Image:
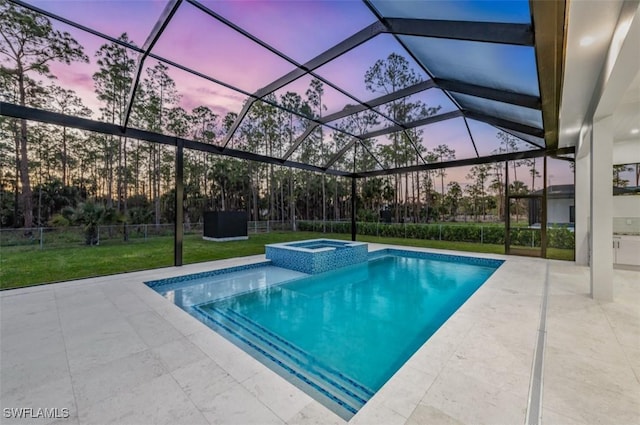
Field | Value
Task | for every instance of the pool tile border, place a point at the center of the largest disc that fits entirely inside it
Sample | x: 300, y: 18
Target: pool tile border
x: 476, y: 261
x: 185, y: 278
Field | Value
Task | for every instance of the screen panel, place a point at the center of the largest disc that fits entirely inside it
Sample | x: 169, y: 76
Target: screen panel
x: 297, y: 28
x: 201, y: 43
x: 515, y: 113
x: 499, y: 66
x: 506, y: 11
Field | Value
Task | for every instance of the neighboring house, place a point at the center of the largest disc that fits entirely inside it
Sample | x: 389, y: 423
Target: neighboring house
x: 560, y: 206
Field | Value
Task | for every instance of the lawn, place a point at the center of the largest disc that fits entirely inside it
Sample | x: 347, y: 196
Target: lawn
x: 21, y: 266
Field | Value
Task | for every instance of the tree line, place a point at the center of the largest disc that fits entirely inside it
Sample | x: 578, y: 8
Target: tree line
x: 54, y: 175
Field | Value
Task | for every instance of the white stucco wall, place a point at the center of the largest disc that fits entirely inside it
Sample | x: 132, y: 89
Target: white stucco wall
x: 558, y: 210
x: 626, y: 206
x: 626, y: 152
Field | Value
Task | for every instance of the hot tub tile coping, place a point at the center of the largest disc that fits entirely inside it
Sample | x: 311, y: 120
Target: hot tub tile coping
x: 289, y: 245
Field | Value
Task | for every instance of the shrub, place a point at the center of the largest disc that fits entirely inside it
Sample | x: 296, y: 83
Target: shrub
x: 560, y: 237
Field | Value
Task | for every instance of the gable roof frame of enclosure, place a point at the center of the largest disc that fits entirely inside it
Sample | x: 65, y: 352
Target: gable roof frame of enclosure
x: 545, y: 33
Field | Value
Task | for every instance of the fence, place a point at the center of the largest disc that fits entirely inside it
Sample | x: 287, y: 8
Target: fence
x: 558, y: 237
x: 58, y: 237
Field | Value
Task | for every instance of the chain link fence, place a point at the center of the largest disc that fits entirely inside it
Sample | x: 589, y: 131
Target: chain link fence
x: 482, y: 233
x: 72, y: 236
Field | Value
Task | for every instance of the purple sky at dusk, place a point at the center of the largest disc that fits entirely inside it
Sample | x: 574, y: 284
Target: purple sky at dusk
x: 299, y: 29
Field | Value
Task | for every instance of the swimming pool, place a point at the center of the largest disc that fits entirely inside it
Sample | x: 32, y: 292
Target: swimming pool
x: 341, y: 335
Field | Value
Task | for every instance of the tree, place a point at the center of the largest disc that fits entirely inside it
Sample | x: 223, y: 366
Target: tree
x: 314, y: 98
x: 112, y: 84
x: 203, y: 128
x: 509, y: 143
x: 442, y: 153
x: 531, y: 163
x: 517, y: 187
x: 497, y: 186
x: 293, y: 126
x: 388, y: 76
x: 619, y: 181
x: 53, y: 196
x: 66, y: 102
x: 156, y: 95
x: 454, y: 195
x: 91, y: 215
x: 35, y: 96
x: 28, y: 44
x: 478, y: 174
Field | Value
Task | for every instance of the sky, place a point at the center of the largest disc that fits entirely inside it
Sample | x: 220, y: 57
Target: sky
x: 299, y: 29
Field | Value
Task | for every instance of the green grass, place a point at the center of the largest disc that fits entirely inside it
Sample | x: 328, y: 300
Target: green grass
x: 24, y: 266
x: 560, y: 254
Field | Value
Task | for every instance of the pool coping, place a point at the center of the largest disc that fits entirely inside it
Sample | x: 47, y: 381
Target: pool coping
x: 290, y: 247
x: 158, y: 283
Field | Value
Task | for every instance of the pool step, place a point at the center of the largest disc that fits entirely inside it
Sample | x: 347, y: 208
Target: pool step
x: 335, y: 386
x: 354, y: 387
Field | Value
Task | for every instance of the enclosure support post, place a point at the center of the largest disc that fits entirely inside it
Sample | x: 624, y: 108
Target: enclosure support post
x: 179, y: 215
x: 601, y: 209
x: 353, y: 208
x: 507, y: 210
x: 543, y: 219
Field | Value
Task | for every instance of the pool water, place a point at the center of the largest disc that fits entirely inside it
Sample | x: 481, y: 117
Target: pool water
x: 319, y: 244
x: 209, y: 287
x: 341, y: 335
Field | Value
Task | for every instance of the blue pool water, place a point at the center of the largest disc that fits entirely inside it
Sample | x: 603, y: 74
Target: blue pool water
x: 322, y: 243
x: 188, y: 291
x: 340, y: 335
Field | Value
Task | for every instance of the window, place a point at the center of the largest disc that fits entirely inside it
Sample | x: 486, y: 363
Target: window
x: 572, y: 214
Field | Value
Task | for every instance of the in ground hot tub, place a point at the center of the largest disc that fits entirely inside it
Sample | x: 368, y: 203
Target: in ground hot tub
x: 316, y: 255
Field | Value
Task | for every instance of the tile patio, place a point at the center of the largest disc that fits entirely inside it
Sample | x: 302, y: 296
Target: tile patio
x: 111, y: 350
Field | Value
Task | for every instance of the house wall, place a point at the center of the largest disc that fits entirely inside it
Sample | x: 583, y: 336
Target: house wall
x: 558, y: 210
x: 626, y: 152
x: 626, y: 206
x: 626, y: 214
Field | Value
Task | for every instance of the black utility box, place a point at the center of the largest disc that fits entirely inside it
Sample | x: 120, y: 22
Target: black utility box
x: 225, y: 226
x: 385, y: 216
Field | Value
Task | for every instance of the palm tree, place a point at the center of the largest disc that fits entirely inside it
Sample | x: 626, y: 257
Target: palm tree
x: 91, y: 215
